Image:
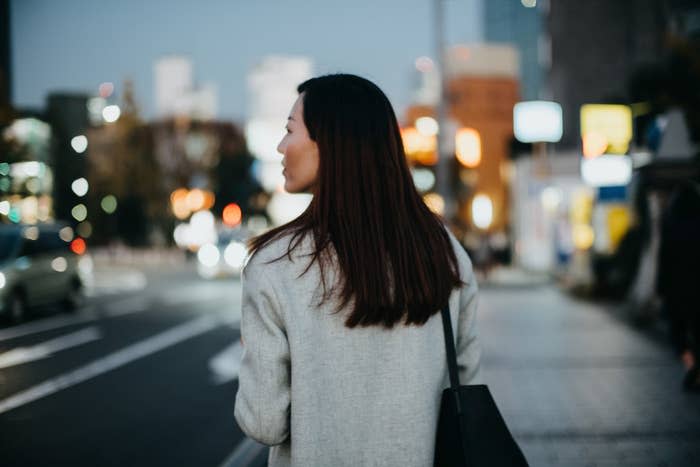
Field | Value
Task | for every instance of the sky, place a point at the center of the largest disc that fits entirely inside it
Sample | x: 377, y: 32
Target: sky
x: 74, y: 45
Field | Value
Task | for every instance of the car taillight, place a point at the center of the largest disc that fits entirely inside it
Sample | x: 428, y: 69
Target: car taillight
x: 78, y: 246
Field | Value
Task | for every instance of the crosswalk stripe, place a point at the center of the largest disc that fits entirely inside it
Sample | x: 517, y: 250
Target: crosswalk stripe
x: 226, y: 365
x: 22, y: 355
x: 112, y: 361
x: 87, y: 314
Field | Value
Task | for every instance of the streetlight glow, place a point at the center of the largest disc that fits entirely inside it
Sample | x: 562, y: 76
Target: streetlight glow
x: 468, y: 147
x: 79, y: 212
x: 482, y: 211
x: 427, y: 126
x: 111, y: 113
x: 80, y: 187
x: 79, y: 143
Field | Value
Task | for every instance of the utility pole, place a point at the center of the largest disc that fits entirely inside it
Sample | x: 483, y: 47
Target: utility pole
x: 442, y: 172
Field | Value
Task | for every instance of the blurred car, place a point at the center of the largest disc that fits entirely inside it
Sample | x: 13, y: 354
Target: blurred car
x: 224, y: 258
x: 39, y: 267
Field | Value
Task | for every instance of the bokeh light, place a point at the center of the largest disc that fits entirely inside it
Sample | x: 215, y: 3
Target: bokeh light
x: 208, y: 255
x: 435, y: 202
x: 109, y: 204
x: 482, y: 211
x: 111, y: 113
x: 85, y: 229
x: 424, y: 64
x: 583, y: 236
x: 468, y: 147
x: 418, y: 147
x: 80, y: 187
x: 59, y: 264
x: 594, y: 144
x: 79, y: 143
x: 195, y: 200
x: 232, y: 215
x: 66, y: 234
x: 235, y: 254
x: 106, y: 89
x: 78, y: 246
x: 79, y: 212
x: 427, y: 126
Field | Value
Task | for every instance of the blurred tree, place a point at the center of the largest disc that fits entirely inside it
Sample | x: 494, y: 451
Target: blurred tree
x: 7, y: 115
x: 122, y: 164
x: 232, y: 176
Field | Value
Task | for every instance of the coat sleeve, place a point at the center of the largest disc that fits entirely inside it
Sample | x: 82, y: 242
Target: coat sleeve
x: 468, y: 347
x: 263, y: 399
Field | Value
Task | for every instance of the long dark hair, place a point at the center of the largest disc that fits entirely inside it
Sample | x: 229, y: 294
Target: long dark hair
x: 395, y: 256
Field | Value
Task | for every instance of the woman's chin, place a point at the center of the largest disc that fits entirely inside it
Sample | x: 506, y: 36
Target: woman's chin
x: 290, y: 188
x: 296, y: 189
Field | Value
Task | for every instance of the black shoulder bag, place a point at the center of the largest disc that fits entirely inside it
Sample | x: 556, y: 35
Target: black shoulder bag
x: 471, y: 431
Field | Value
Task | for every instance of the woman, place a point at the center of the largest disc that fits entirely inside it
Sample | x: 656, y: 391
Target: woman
x: 344, y: 359
x: 679, y: 256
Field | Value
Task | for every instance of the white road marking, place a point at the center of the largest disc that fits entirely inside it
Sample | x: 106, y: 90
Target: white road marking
x: 127, y: 306
x: 182, y: 298
x: 226, y: 365
x: 248, y: 452
x: 118, y: 308
x: 46, y: 349
x: 116, y: 281
x: 112, y: 361
x: 85, y: 315
x: 121, y: 307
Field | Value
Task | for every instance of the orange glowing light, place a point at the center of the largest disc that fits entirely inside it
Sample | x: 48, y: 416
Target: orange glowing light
x: 209, y: 200
x: 594, y: 144
x: 232, y: 215
x: 78, y: 246
x: 178, y: 202
x: 196, y: 200
x: 178, y: 195
x: 418, y: 147
x: 181, y: 211
x: 468, y: 147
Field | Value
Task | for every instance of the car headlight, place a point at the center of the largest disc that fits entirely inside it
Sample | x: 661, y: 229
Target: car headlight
x: 3, y: 281
x: 208, y: 255
x: 235, y: 254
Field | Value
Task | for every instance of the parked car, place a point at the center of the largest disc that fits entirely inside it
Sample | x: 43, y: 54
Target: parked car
x: 38, y: 266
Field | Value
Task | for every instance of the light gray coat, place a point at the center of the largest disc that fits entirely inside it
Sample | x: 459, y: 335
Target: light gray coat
x: 324, y: 395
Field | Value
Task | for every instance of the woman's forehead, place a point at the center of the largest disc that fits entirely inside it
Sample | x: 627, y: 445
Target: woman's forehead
x: 297, y: 108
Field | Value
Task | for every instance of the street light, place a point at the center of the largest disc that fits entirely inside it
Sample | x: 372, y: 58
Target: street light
x: 468, y: 147
x: 442, y: 171
x: 539, y: 123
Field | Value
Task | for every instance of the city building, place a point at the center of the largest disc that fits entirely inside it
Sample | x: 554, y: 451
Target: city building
x: 520, y: 24
x: 595, y: 48
x: 176, y: 93
x: 482, y: 88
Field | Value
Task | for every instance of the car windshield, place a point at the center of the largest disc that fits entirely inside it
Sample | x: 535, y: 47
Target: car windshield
x: 8, y: 242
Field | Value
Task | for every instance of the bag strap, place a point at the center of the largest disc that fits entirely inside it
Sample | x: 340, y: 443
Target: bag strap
x: 454, y: 379
x: 450, y: 347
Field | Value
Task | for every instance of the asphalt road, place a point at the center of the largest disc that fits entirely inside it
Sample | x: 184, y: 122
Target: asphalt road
x: 145, y: 375
x: 140, y: 376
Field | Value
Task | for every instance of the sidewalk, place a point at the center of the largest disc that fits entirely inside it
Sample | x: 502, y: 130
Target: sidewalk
x: 581, y: 388
x: 507, y: 276
x: 578, y: 386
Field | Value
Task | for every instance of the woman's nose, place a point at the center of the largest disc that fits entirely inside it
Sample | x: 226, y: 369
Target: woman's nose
x: 280, y: 147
